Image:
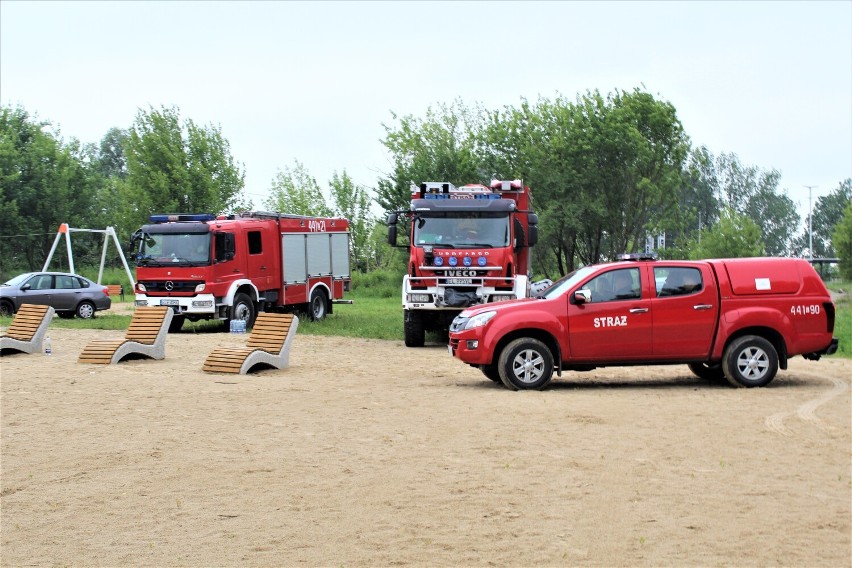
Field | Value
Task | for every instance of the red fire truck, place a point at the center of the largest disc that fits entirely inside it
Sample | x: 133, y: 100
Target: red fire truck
x: 230, y: 267
x: 469, y: 245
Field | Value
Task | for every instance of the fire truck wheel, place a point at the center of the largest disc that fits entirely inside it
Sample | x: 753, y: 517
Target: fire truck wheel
x: 176, y: 324
x: 525, y: 364
x: 318, y: 305
x: 86, y: 310
x: 491, y: 372
x: 415, y: 334
x: 243, y: 309
x: 707, y: 372
x: 750, y: 361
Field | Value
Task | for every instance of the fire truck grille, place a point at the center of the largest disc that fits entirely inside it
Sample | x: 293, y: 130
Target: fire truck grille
x: 169, y: 286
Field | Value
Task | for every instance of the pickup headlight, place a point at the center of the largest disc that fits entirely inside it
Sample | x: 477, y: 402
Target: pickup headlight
x: 479, y: 320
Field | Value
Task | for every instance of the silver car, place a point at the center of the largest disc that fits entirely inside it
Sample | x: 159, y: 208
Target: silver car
x: 68, y: 294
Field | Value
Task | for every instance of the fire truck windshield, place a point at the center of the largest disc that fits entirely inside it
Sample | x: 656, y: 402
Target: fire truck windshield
x: 191, y: 249
x: 467, y: 231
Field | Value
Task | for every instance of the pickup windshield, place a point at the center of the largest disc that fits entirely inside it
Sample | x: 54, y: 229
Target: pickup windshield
x: 461, y: 231
x: 566, y: 282
x: 190, y: 249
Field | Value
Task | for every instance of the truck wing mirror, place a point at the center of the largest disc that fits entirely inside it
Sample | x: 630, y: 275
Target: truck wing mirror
x: 392, y: 219
x: 582, y: 296
x: 532, y: 238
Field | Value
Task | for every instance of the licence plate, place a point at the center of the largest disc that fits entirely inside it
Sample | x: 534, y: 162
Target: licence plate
x: 169, y: 302
x: 459, y: 280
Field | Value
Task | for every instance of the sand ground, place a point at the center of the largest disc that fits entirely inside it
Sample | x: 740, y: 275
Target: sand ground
x: 366, y: 453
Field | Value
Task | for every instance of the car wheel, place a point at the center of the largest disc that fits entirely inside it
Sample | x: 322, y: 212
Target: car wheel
x: 86, y: 310
x: 415, y: 334
x: 492, y: 373
x: 525, y: 364
x: 243, y: 309
x: 750, y: 361
x: 318, y: 306
x: 707, y: 372
x: 7, y: 309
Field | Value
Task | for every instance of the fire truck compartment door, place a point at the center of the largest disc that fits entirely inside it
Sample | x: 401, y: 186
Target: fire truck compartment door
x: 294, y: 261
x: 340, y: 255
x: 319, y: 254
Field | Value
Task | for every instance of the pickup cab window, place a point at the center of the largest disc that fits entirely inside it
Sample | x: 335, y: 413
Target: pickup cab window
x: 677, y: 281
x: 620, y: 284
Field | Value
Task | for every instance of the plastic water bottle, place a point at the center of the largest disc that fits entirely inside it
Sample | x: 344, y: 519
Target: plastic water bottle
x: 242, y: 326
x: 48, y: 348
x: 233, y: 326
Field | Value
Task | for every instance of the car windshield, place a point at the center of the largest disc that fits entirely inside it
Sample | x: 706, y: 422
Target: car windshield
x: 18, y: 279
x: 462, y: 231
x: 175, y: 248
x: 566, y: 282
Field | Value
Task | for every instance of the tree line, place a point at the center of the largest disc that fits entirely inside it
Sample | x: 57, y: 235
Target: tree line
x: 609, y: 174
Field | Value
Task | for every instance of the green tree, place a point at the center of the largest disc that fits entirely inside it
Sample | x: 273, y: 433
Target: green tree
x: 175, y: 166
x: 754, y: 193
x: 841, y: 240
x: 353, y: 203
x: 296, y: 191
x: 439, y: 147
x: 734, y: 236
x: 44, y: 183
x: 827, y: 212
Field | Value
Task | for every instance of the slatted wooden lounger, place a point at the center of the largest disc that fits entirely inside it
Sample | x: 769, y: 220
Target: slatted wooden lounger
x: 28, y: 328
x: 268, y: 345
x: 146, y: 336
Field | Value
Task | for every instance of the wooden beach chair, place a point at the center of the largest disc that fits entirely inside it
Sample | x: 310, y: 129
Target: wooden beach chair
x: 268, y: 345
x: 146, y: 336
x: 28, y: 328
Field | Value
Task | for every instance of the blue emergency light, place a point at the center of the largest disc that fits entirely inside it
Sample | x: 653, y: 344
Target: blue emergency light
x: 172, y: 217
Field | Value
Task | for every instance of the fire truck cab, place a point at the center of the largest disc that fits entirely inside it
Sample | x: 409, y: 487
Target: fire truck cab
x: 468, y: 245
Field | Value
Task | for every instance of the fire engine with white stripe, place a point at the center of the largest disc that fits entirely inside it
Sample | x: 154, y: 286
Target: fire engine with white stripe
x: 230, y: 267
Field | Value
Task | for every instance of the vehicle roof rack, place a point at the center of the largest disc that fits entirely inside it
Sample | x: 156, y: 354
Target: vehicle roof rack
x: 638, y: 256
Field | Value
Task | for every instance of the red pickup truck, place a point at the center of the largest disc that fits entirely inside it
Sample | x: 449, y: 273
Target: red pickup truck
x: 740, y: 319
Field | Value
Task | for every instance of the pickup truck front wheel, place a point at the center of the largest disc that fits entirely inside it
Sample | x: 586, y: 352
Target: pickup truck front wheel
x: 750, y: 361
x: 525, y: 364
x: 708, y: 372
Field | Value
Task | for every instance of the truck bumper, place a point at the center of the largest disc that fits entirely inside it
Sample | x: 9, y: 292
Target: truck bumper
x: 468, y: 348
x: 201, y: 305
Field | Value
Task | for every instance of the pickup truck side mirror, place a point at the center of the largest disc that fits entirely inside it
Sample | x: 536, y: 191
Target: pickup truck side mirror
x: 582, y: 296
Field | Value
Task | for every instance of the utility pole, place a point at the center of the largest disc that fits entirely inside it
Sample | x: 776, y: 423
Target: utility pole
x: 810, y: 223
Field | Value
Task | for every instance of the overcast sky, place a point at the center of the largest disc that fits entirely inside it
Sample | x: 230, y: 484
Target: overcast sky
x: 314, y: 81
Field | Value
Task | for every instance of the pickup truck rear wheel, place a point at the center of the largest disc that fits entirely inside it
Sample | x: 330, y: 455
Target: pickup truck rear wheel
x: 525, y: 364
x: 708, y: 372
x: 750, y: 361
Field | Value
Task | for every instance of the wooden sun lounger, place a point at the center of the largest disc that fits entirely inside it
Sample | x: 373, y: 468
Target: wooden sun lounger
x: 146, y: 336
x: 28, y: 328
x: 268, y: 345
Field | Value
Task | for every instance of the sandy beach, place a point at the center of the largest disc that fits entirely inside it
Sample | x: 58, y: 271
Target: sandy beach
x: 367, y: 453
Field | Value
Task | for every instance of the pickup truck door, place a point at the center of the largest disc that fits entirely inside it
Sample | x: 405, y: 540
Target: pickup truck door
x: 685, y: 311
x: 616, y: 324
